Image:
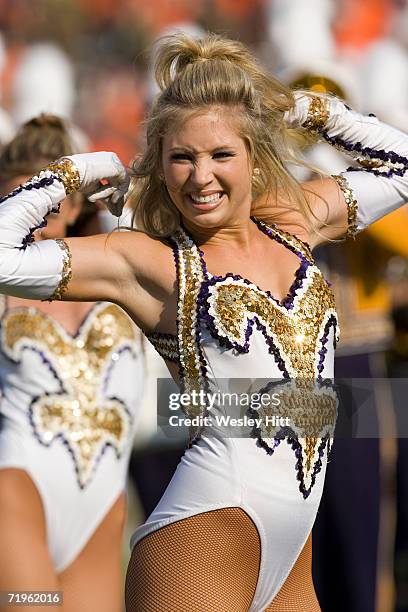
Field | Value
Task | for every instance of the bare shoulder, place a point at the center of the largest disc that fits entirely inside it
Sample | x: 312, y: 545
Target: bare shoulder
x: 328, y: 207
x: 326, y: 218
x: 144, y: 278
x: 277, y: 209
x: 129, y: 268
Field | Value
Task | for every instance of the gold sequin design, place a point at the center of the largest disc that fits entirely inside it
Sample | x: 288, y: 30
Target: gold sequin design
x: 66, y: 273
x: 295, y: 243
x: 312, y: 411
x: 317, y: 117
x: 297, y: 334
x: 318, y: 113
x: 86, y: 420
x: 67, y: 172
x: 381, y: 166
x: 190, y: 277
x: 351, y: 203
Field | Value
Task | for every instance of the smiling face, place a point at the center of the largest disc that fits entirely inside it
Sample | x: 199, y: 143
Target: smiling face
x: 207, y: 170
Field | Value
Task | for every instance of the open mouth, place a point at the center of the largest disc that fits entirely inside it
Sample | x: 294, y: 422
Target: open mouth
x: 206, y: 201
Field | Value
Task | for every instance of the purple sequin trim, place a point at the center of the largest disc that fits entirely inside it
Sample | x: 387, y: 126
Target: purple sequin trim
x: 388, y: 157
x: 275, y: 233
x: 44, y: 359
x: 293, y: 441
x: 273, y: 350
x: 296, y: 446
x: 29, y: 238
x: 227, y: 342
x: 287, y: 302
x: 332, y: 321
x: 44, y: 182
x: 300, y: 274
x: 37, y: 184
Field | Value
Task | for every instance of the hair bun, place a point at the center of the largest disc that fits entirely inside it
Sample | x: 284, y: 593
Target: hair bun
x: 177, y: 51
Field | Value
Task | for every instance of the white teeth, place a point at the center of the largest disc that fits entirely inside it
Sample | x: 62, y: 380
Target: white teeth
x: 205, y: 199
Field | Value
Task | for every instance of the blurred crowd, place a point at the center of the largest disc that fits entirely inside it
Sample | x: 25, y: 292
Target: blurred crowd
x: 89, y: 61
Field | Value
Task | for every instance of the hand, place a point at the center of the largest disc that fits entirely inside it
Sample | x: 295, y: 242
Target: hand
x: 312, y: 111
x: 95, y: 167
x: 297, y: 115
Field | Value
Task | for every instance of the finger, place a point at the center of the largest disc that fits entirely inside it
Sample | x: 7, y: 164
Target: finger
x: 114, y: 202
x: 102, y: 193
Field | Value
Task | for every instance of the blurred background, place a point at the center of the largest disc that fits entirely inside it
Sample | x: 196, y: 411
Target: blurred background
x: 90, y: 61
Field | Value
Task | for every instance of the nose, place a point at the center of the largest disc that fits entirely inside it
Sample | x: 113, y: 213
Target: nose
x: 202, y: 173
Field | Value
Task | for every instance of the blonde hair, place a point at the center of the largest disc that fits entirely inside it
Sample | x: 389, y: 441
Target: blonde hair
x: 213, y: 72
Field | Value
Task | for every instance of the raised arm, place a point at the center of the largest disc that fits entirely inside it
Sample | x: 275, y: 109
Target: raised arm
x: 128, y: 268
x: 351, y: 201
x: 41, y: 270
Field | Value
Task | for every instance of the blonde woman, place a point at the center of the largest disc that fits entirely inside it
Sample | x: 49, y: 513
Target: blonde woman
x: 71, y: 377
x: 223, y: 295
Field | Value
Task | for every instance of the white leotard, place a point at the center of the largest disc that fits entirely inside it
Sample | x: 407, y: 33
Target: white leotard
x: 244, y: 333
x: 69, y: 410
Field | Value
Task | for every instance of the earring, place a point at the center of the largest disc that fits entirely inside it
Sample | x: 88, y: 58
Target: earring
x: 255, y: 172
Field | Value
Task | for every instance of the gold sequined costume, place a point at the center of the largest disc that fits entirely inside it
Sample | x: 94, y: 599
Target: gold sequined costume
x: 69, y: 410
x: 232, y: 335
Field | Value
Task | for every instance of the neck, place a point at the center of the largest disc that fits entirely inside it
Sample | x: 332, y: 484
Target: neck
x: 235, y: 236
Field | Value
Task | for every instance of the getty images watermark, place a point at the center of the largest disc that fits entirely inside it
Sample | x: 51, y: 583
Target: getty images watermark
x: 360, y: 408
x: 251, y: 403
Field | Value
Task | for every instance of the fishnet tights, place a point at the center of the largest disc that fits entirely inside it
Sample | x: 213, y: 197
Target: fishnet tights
x: 210, y: 563
x: 297, y: 593
x: 206, y: 563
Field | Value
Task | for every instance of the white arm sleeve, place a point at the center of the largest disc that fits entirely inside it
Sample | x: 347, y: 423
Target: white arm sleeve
x: 379, y: 183
x: 28, y: 269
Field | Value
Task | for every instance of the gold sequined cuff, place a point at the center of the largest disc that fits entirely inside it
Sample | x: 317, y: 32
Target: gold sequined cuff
x: 66, y: 274
x: 318, y: 113
x: 67, y: 172
x: 352, y: 205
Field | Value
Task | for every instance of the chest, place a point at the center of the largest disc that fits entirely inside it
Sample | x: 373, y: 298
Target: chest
x: 295, y: 326
x: 272, y: 267
x: 28, y: 333
x: 69, y: 315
